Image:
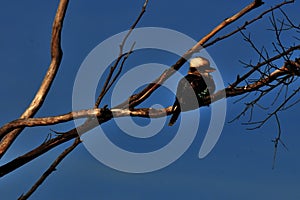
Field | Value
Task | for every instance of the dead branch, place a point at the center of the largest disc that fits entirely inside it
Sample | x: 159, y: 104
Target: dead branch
x: 143, y: 112
x: 107, y: 85
x: 56, y: 56
x: 92, y: 122
x: 97, y: 116
x: 255, y: 68
x: 136, y: 99
x: 277, y: 140
x: 254, y: 102
x: 45, y: 121
x: 261, y: 123
x: 247, y: 23
x: 290, y: 24
x: 148, y: 90
x: 46, y: 146
x: 51, y: 169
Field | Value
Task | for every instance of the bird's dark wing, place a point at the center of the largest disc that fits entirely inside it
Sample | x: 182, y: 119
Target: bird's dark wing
x: 197, y: 83
x: 191, y: 91
x: 185, y: 97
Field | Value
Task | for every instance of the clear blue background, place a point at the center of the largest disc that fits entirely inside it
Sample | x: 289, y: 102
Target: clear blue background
x: 239, y: 167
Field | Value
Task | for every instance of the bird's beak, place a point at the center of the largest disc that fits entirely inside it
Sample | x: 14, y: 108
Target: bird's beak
x: 208, y: 69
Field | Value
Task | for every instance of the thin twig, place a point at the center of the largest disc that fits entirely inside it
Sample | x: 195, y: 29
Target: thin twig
x: 261, y: 56
x: 255, y: 101
x: 278, y: 33
x: 51, y: 169
x: 261, y: 123
x: 289, y: 20
x: 107, y: 83
x: 255, y: 68
x: 276, y: 141
x: 291, y: 105
x: 247, y: 23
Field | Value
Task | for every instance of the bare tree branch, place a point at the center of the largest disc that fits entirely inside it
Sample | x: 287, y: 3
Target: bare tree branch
x: 291, y: 24
x: 46, y: 146
x: 147, y: 91
x: 56, y: 56
x: 44, y: 121
x: 276, y: 141
x: 51, y: 169
x: 255, y: 101
x: 261, y: 123
x: 107, y: 83
x: 255, y: 68
x: 102, y: 117
x: 143, y: 112
x: 269, y: 78
x: 247, y: 23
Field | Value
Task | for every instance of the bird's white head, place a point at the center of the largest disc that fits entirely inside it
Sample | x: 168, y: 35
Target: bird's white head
x: 201, y: 64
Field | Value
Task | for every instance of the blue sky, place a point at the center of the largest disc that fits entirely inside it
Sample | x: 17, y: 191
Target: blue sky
x: 240, y: 165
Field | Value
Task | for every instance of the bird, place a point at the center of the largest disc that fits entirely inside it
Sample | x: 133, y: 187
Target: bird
x: 193, y: 88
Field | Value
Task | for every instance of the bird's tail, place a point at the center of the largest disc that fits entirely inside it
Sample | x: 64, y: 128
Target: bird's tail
x: 176, y: 112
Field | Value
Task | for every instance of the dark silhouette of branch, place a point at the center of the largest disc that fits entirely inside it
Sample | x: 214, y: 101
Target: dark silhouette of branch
x: 51, y: 169
x: 107, y: 85
x: 278, y: 31
x: 277, y: 140
x: 247, y: 23
x: 290, y: 24
x: 254, y: 102
x: 46, y: 146
x: 255, y: 68
x: 261, y: 123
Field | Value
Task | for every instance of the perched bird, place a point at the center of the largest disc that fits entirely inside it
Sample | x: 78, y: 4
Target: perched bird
x: 193, y: 88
